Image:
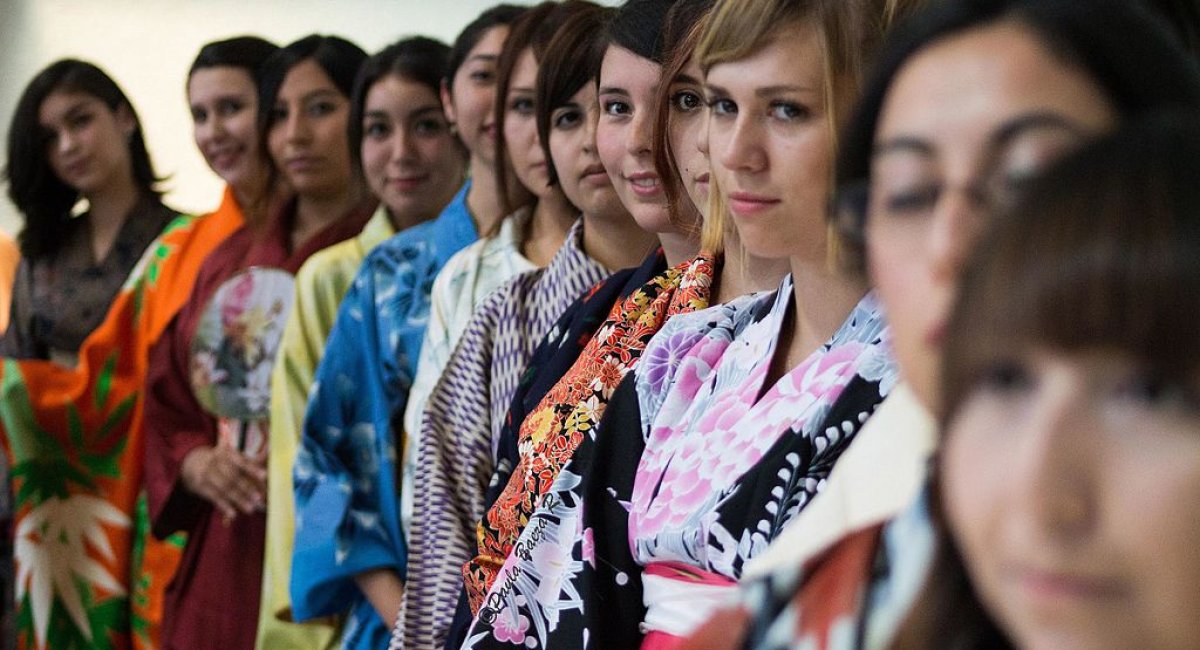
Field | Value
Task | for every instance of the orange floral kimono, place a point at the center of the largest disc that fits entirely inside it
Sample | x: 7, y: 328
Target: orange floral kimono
x: 89, y: 574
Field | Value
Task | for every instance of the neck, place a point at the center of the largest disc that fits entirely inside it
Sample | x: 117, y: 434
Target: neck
x: 483, y: 199
x: 824, y: 298
x: 616, y: 241
x: 107, y: 211
x: 678, y: 247
x: 250, y: 194
x: 548, y: 226
x: 742, y: 273
x: 315, y: 213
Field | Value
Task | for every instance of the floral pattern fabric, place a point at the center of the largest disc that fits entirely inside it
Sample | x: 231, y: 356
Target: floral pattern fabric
x: 347, y: 506
x: 461, y: 426
x: 727, y: 461
x: 321, y: 283
x: 73, y: 438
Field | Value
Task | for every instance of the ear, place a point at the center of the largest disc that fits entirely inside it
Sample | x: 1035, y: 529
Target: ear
x: 125, y: 120
x: 448, y: 102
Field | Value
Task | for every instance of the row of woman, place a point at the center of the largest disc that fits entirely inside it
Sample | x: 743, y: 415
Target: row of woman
x: 527, y: 482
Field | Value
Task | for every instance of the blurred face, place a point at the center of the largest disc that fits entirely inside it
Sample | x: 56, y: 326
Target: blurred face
x: 411, y: 161
x: 470, y: 99
x: 688, y: 133
x: 770, y: 144
x: 628, y: 86
x: 224, y: 103
x: 307, y: 136
x: 1071, y: 483
x: 87, y: 144
x: 520, y: 127
x: 964, y: 121
x: 573, y: 147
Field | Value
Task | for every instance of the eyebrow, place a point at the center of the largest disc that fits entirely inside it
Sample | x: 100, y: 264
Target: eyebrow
x: 903, y: 143
x: 686, y: 78
x: 1021, y: 124
x: 775, y: 90
x: 319, y: 93
x: 612, y: 90
x: 483, y: 57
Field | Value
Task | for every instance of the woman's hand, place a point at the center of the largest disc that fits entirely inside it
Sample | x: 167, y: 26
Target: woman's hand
x: 232, y: 481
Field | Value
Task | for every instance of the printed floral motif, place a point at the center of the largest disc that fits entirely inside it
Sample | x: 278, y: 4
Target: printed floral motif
x: 539, y: 578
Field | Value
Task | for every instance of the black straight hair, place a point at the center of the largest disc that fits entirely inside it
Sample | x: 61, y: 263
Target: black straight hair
x: 1124, y: 49
x: 38, y: 193
x: 245, y: 52
x: 418, y: 59
x: 638, y: 27
x: 502, y: 15
x: 572, y: 60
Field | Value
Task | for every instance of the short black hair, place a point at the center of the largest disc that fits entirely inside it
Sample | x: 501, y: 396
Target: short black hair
x: 468, y: 38
x: 245, y: 52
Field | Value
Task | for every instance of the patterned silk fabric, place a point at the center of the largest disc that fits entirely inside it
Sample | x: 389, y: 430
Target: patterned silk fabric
x: 460, y: 427
x: 74, y: 441
x: 573, y: 408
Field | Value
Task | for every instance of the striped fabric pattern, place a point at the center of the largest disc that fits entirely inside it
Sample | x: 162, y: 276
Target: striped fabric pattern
x: 456, y: 446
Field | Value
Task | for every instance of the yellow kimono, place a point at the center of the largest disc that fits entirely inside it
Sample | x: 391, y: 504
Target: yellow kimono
x: 320, y: 285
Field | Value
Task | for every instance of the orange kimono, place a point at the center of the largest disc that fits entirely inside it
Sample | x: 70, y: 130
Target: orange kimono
x: 89, y: 574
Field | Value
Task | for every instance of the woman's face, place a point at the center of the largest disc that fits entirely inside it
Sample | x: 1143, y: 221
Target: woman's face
x: 689, y: 134
x: 224, y: 105
x: 628, y: 85
x: 573, y: 147
x: 87, y: 143
x: 520, y: 127
x: 964, y: 121
x: 1071, y: 482
x: 411, y: 161
x: 470, y: 100
x: 307, y: 137
x: 770, y: 144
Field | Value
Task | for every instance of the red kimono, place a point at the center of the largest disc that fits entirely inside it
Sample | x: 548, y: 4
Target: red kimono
x: 210, y: 376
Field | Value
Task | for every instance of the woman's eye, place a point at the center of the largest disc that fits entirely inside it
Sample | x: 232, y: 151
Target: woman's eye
x: 913, y: 201
x: 376, y: 130
x: 1005, y: 377
x: 228, y: 108
x: 1159, y: 393
x: 789, y: 111
x: 722, y: 106
x: 278, y: 114
x: 429, y: 127
x: 484, y: 76
x: 616, y: 107
x: 521, y: 105
x: 199, y: 116
x: 566, y: 119
x: 686, y: 101
x: 322, y: 108
x: 81, y: 120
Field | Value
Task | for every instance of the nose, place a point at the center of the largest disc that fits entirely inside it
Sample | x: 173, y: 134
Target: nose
x: 1054, y: 452
x: 66, y: 141
x: 640, y: 134
x: 702, y: 134
x: 743, y: 147
x: 296, y: 127
x: 958, y: 218
x: 403, y: 146
x: 591, y: 120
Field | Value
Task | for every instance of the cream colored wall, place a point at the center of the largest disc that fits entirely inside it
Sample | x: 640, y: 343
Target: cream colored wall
x: 147, y: 46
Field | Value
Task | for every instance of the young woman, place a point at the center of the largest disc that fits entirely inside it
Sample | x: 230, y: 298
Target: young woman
x: 1012, y: 115
x: 208, y: 389
x: 745, y: 376
x: 459, y: 429
x: 414, y: 165
x: 75, y: 136
x: 53, y: 402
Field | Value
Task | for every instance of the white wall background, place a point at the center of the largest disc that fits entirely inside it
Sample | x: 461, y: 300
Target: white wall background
x: 148, y: 45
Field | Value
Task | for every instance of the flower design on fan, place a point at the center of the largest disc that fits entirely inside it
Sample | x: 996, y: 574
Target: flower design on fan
x: 51, y: 555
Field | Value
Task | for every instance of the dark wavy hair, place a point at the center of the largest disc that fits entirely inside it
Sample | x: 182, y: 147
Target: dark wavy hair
x: 417, y: 59
x: 41, y: 196
x: 572, y: 59
x: 1124, y: 49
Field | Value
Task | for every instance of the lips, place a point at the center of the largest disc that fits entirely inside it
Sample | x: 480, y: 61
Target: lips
x: 302, y: 164
x: 406, y: 183
x: 225, y: 157
x: 595, y: 174
x: 645, y: 184
x: 747, y: 204
x: 1054, y: 585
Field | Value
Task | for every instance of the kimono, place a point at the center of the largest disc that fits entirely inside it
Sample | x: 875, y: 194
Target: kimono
x: 459, y: 432
x: 534, y: 586
x: 58, y: 299
x: 10, y: 258
x: 209, y: 381
x: 855, y: 595
x: 347, y: 510
x: 721, y: 462
x: 468, y: 278
x: 876, y: 479
x: 73, y: 437
x: 320, y: 285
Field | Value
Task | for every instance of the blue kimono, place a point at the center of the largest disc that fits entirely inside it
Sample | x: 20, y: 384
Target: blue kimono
x: 347, y: 509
